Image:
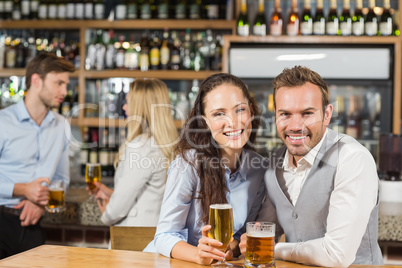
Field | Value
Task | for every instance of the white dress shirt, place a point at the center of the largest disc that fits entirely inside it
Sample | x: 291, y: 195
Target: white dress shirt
x: 352, y: 200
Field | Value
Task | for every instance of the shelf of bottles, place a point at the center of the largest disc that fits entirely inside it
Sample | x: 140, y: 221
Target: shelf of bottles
x: 324, y: 18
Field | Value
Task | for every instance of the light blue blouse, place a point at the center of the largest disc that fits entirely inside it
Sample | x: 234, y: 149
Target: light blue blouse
x: 180, y: 218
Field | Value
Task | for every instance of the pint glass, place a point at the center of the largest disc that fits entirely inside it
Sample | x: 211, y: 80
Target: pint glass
x: 92, y: 174
x: 260, y: 244
x: 56, y: 197
x: 221, y: 221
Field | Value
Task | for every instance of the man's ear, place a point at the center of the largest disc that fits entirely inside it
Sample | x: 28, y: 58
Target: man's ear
x: 328, y: 114
x: 36, y: 81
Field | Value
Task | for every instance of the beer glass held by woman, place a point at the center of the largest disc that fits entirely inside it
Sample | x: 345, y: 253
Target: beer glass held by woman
x: 215, y: 163
x: 143, y: 159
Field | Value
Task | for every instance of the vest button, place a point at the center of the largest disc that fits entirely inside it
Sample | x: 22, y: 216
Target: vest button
x: 294, y: 215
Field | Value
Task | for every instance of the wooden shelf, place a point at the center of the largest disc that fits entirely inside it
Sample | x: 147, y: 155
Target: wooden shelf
x: 6, y: 72
x: 166, y: 75
x: 122, y: 24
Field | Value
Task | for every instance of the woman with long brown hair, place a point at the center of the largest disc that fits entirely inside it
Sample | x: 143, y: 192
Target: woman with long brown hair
x: 215, y: 164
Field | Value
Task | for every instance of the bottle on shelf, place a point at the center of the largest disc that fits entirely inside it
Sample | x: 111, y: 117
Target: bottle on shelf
x: 276, y: 22
x: 165, y: 51
x: 395, y: 26
x: 377, y: 117
x: 332, y: 26
x: 70, y: 10
x: 353, y: 118
x: 386, y: 22
x: 8, y: 9
x: 120, y: 54
x: 131, y: 58
x: 180, y: 9
x: 319, y: 19
x: 62, y: 10
x: 99, y: 10
x: 175, y: 60
x: 292, y: 27
x: 358, y: 19
x: 217, y: 59
x: 371, y: 24
x: 100, y: 51
x: 52, y: 10
x: 84, y: 152
x: 93, y: 152
x: 345, y: 20
x: 144, y: 54
x: 211, y: 8
x: 243, y: 24
x: 339, y: 116
x: 104, y: 152
x: 145, y: 9
x: 154, y: 52
x: 162, y: 9
x: 260, y: 22
x: 91, y: 53
x: 194, y: 9
x: 110, y: 52
x: 16, y: 12
x: 34, y: 8
x: 89, y: 9
x: 121, y: 10
x: 42, y: 11
x: 79, y: 10
x: 306, y: 19
x: 366, y: 126
x: 25, y: 9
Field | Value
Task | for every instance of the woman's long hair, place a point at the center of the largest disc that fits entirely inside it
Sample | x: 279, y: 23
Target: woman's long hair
x: 150, y: 111
x: 196, y: 135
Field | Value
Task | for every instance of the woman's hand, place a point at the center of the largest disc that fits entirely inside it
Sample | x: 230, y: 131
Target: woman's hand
x: 207, y: 249
x: 243, y: 244
x: 102, y: 195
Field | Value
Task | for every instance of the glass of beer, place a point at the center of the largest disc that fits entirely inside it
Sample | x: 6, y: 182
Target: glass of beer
x: 56, y: 197
x: 221, y: 220
x: 92, y: 174
x: 260, y: 244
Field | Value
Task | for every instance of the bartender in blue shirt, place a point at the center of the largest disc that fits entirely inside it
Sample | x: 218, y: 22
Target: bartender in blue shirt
x: 34, y: 143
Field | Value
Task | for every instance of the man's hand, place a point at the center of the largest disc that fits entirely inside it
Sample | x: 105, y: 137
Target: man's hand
x: 243, y: 244
x: 34, y: 191
x: 31, y: 213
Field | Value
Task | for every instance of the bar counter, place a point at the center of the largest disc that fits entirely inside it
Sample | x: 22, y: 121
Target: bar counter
x: 74, y: 257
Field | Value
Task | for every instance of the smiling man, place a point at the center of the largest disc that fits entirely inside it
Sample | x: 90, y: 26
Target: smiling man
x: 34, y: 146
x: 323, y: 186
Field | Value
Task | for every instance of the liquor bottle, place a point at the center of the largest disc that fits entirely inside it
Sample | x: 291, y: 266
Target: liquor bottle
x: 79, y: 10
x: 194, y: 10
x: 306, y: 19
x: 175, y: 60
x: 104, y: 153
x: 89, y: 9
x: 163, y: 9
x: 144, y: 54
x: 25, y: 9
x: 371, y: 24
x: 100, y: 52
x: 62, y: 10
x: 120, y: 54
x: 121, y: 10
x: 319, y: 19
x: 91, y: 53
x: 34, y: 7
x: 180, y: 9
x: 8, y: 9
x: 353, y: 119
x: 339, y: 116
x: 145, y: 10
x: 377, y: 117
x: 395, y: 26
x: 131, y: 58
x: 99, y: 10
x: 165, y: 51
x: 154, y: 53
x: 260, y: 23
x: 243, y: 25
x: 211, y: 8
x: 52, y: 10
x: 276, y: 23
x: 292, y: 27
x: 217, y: 60
x: 16, y: 13
x: 70, y: 10
x: 11, y: 53
x: 366, y: 127
x: 333, y: 20
x: 187, y: 57
x: 110, y: 52
x: 358, y: 19
x: 345, y: 20
x: 66, y: 104
x: 386, y: 20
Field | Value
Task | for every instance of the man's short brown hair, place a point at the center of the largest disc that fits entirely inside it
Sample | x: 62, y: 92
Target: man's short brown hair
x: 45, y: 63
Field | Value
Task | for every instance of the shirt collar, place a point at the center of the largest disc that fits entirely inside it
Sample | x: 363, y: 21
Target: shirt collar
x: 242, y: 170
x: 309, y: 157
x: 23, y: 115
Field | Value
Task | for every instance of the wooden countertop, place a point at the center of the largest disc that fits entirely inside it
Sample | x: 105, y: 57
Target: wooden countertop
x: 74, y: 257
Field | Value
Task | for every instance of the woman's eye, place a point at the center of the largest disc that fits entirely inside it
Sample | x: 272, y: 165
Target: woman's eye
x: 240, y: 110
x: 218, y: 114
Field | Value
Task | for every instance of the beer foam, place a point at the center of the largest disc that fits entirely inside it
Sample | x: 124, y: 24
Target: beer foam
x: 56, y: 188
x: 261, y: 235
x: 220, y: 206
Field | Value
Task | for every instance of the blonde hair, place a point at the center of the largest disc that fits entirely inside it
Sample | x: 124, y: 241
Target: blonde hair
x: 149, y: 111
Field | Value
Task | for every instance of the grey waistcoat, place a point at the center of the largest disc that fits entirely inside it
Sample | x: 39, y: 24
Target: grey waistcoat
x: 308, y: 219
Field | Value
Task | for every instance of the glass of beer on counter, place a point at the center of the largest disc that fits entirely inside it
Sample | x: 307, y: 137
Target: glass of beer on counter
x: 92, y: 174
x: 260, y: 244
x: 56, y: 197
x: 221, y: 220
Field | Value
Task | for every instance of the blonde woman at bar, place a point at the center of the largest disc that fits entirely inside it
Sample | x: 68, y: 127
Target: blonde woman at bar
x: 143, y: 159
